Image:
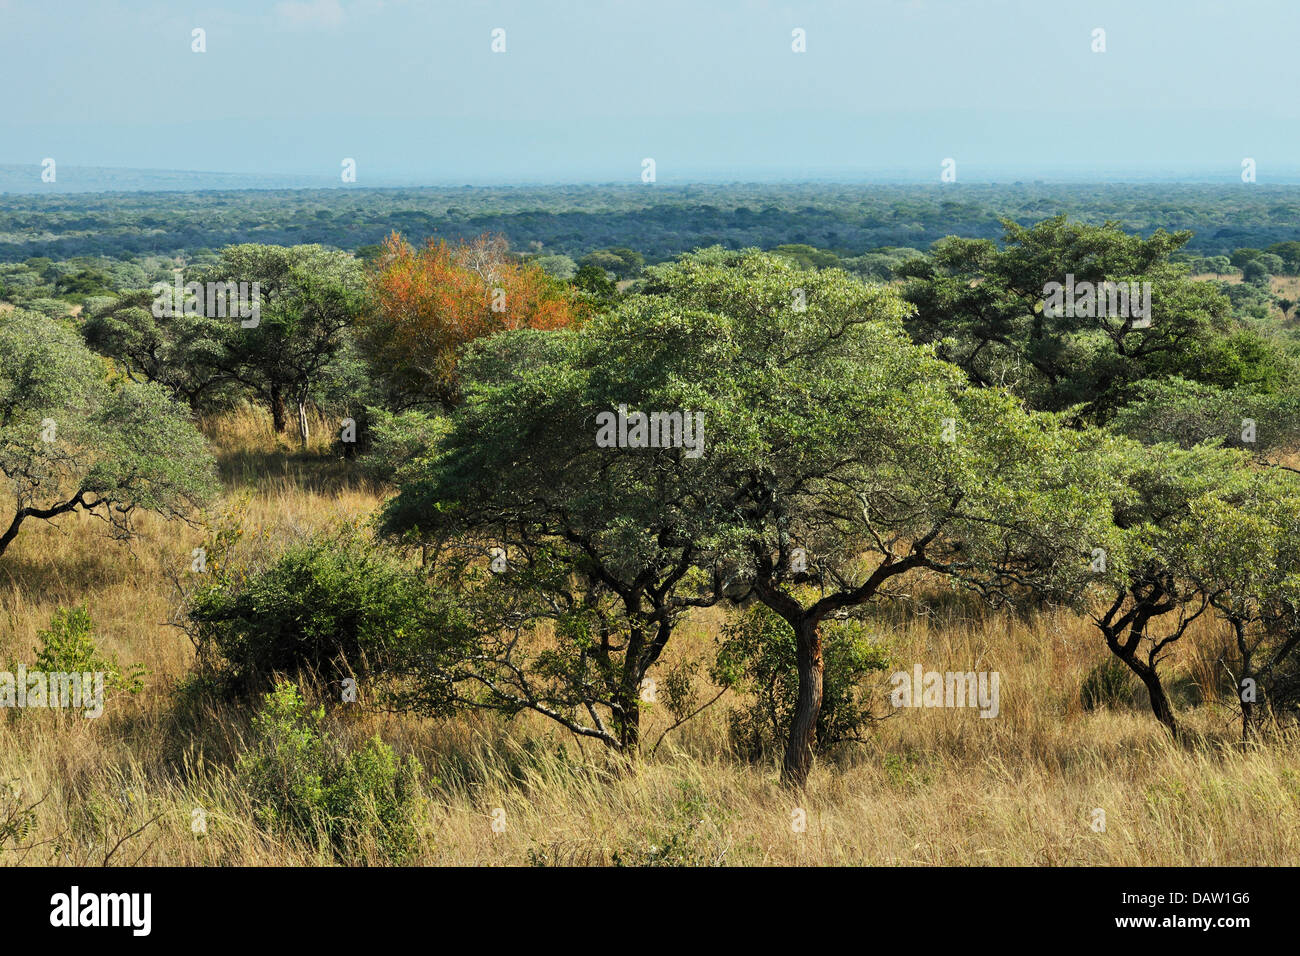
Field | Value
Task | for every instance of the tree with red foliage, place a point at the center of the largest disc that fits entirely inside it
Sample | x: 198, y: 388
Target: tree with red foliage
x: 427, y: 303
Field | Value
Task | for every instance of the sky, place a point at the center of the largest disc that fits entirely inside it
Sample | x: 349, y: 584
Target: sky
x: 711, y: 91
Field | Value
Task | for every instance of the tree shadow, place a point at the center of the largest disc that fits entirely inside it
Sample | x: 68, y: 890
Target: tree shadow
x: 321, y: 472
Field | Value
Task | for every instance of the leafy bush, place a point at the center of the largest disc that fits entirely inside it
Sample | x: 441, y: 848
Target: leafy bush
x: 690, y: 835
x: 758, y: 654
x: 50, y: 308
x: 68, y: 646
x: 302, y: 779
x: 1187, y: 413
x: 396, y: 438
x: 334, y: 604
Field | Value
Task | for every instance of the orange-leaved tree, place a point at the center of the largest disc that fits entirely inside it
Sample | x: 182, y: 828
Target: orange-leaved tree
x: 429, y: 302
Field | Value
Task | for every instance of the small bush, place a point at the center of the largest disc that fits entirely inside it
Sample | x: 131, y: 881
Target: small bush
x: 68, y: 646
x: 690, y: 835
x: 303, y: 780
x: 757, y: 654
x: 17, y: 816
x: 336, y: 605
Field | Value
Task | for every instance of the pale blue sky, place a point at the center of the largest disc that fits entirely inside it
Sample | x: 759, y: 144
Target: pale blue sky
x: 711, y: 90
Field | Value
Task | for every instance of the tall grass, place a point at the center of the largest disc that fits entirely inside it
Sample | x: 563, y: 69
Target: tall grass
x: 928, y: 787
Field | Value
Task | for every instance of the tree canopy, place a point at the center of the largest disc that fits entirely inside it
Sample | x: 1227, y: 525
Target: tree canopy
x: 70, y: 441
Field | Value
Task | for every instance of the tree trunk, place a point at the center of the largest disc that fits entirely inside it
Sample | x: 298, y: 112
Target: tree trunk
x: 1247, y: 706
x: 803, y: 728
x: 279, y: 414
x: 302, y: 423
x: 1160, y: 705
x: 630, y: 729
x: 12, y: 531
x: 627, y: 712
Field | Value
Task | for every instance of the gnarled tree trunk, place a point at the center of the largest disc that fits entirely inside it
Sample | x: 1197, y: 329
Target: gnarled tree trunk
x: 1160, y: 705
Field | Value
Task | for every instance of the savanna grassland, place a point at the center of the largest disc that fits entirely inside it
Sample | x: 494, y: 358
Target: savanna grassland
x: 924, y: 787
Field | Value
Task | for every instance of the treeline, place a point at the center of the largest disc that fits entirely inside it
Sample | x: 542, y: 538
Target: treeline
x: 658, y: 221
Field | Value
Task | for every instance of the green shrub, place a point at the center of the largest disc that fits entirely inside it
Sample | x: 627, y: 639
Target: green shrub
x: 399, y: 437
x: 303, y: 780
x: 689, y: 835
x: 68, y: 646
x: 757, y: 654
x: 336, y: 604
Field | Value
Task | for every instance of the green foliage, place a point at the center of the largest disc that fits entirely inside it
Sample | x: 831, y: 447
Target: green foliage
x: 816, y: 412
x: 660, y: 223
x: 399, y: 438
x: 806, y: 257
x: 880, y: 264
x: 68, y: 646
x: 756, y: 655
x: 592, y: 279
x: 310, y: 299
x: 623, y: 263
x: 562, y: 268
x: 71, y: 441
x: 983, y: 307
x: 824, y: 427
x: 179, y: 352
x: 50, y: 308
x: 82, y: 283
x: 335, y: 604
x: 302, y: 779
x: 1187, y: 413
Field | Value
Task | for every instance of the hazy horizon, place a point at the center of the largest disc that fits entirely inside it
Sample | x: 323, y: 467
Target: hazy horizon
x: 25, y: 179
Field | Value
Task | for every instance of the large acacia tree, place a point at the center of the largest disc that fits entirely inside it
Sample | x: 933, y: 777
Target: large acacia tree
x: 835, y: 435
x: 70, y: 441
x: 179, y: 351
x: 537, y: 526
x: 825, y: 429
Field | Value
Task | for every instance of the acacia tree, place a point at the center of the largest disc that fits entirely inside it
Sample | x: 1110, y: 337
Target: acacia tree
x: 839, y: 440
x: 824, y: 429
x: 69, y: 441
x: 310, y: 298
x: 601, y: 545
x: 1197, y: 531
x: 1238, y: 543
x: 179, y: 351
x: 427, y: 304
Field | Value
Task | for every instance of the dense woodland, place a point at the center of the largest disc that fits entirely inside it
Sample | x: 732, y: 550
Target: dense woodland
x: 658, y: 221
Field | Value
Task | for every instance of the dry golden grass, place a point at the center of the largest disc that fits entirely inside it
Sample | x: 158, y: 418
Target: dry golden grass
x: 930, y: 787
